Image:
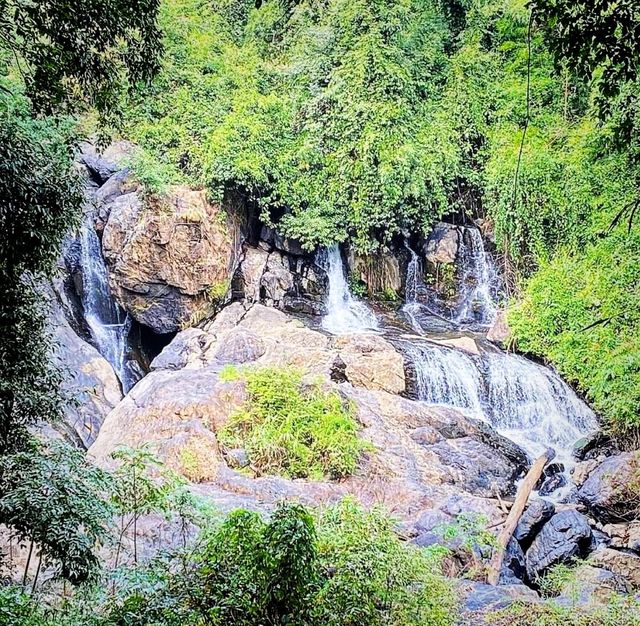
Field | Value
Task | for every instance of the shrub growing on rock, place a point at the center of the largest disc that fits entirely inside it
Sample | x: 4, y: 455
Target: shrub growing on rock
x: 296, y: 430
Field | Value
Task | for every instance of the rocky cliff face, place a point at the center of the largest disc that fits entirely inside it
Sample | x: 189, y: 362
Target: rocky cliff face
x: 169, y: 257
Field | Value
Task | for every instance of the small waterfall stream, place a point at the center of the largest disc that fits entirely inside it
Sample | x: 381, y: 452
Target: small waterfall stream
x: 526, y: 402
x: 109, y: 325
x: 479, y: 281
x: 345, y: 314
x: 477, y: 293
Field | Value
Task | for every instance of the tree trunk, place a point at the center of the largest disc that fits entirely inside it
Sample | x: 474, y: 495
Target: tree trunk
x: 522, y: 497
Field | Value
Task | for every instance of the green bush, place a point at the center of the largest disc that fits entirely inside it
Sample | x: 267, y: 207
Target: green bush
x: 295, y: 430
x: 346, y: 567
x: 327, y: 112
x: 581, y: 310
x: 18, y: 609
x: 371, y: 578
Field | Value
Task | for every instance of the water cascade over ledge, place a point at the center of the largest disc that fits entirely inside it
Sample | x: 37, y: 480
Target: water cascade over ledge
x: 524, y: 401
x: 108, y: 323
x: 345, y: 314
x: 478, y: 287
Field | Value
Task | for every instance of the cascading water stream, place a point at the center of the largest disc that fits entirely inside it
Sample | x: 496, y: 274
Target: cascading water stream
x: 108, y: 324
x: 479, y: 281
x: 345, y: 314
x: 526, y: 402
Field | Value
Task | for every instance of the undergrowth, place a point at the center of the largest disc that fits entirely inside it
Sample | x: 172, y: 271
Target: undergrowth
x: 293, y: 429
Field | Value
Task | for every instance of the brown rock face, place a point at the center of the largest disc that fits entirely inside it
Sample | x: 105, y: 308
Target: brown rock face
x: 379, y: 271
x: 499, y: 332
x: 624, y: 564
x: 169, y: 259
x: 443, y: 244
x: 372, y: 362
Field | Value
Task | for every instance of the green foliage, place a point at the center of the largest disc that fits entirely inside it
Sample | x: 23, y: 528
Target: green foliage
x: 618, y: 612
x: 344, y: 567
x: 141, y: 485
x: 296, y: 430
x: 561, y: 579
x: 582, y: 311
x: 53, y: 498
x: 18, y: 609
x: 371, y: 578
x: 326, y: 112
x: 595, y: 38
x: 82, y: 51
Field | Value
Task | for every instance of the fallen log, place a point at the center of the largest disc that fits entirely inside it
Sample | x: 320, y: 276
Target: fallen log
x: 519, y: 504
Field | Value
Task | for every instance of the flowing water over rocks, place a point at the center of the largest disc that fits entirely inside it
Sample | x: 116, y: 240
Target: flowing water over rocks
x: 528, y: 403
x: 478, y: 287
x: 345, y: 314
x: 108, y: 323
x: 479, y: 282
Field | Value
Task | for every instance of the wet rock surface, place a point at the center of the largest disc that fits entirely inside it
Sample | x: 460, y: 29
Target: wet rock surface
x: 443, y: 243
x: 565, y: 536
x: 606, y: 490
x: 90, y: 384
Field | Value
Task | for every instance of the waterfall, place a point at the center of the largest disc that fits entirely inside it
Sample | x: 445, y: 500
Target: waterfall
x: 345, y: 314
x: 413, y: 289
x: 108, y: 324
x: 524, y: 401
x: 445, y: 376
x: 533, y: 406
x: 479, y: 281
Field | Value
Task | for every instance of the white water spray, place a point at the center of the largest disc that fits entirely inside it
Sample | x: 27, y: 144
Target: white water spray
x: 478, y: 282
x: 345, y: 314
x: 524, y: 401
x: 108, y: 324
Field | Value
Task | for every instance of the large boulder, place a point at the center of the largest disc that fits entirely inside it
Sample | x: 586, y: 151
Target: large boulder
x: 176, y: 413
x: 479, y: 597
x: 372, y: 362
x: 169, y: 258
x: 499, y: 332
x: 565, y: 536
x: 536, y: 515
x: 606, y: 491
x: 443, y: 243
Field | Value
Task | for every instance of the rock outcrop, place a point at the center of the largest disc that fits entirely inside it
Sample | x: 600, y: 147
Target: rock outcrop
x: 379, y: 272
x: 90, y: 384
x: 288, y: 282
x: 425, y: 459
x: 443, y: 244
x: 606, y: 490
x: 169, y: 258
x: 538, y: 513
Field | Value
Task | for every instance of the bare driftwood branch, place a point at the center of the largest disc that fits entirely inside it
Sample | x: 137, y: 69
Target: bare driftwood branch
x: 522, y: 497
